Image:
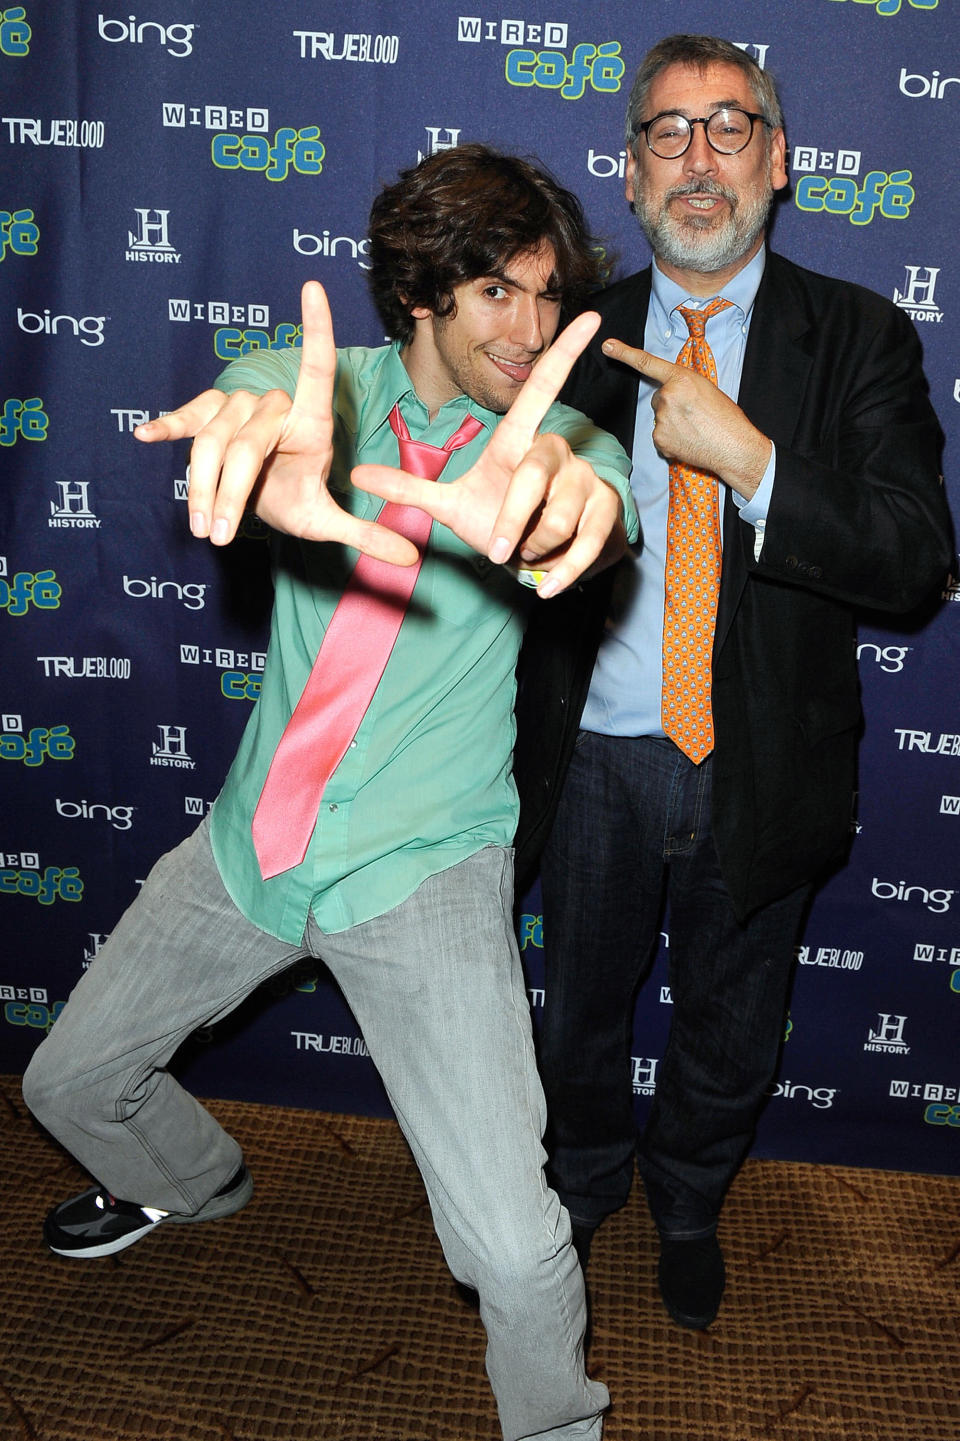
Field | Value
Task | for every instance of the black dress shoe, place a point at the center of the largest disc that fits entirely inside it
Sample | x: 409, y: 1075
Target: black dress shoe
x: 691, y: 1276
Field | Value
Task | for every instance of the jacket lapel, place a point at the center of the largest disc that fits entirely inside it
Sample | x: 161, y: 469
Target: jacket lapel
x: 611, y: 400
x: 776, y: 367
x: 773, y: 385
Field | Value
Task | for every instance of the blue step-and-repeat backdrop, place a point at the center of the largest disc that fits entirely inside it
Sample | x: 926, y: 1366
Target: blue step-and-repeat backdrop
x: 171, y: 173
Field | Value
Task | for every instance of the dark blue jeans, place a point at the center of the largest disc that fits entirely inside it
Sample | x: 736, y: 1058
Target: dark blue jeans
x: 633, y: 832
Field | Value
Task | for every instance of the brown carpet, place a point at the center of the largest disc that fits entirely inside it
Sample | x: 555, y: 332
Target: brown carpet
x: 324, y: 1310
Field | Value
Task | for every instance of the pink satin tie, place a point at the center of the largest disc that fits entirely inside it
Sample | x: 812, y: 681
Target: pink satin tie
x: 352, y: 657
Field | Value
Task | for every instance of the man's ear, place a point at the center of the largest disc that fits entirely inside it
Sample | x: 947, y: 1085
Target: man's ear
x: 416, y: 312
x: 629, y: 183
x: 778, y: 160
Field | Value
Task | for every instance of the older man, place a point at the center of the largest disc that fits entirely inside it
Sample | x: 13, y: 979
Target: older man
x: 785, y: 466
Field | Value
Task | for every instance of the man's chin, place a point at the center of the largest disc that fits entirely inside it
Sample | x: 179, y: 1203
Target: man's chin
x: 701, y: 246
x: 500, y: 397
x: 498, y: 401
x: 704, y: 253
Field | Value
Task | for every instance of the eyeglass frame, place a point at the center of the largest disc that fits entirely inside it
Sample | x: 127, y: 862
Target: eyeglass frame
x: 752, y: 115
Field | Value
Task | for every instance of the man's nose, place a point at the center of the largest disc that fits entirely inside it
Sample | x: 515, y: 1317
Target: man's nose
x: 527, y: 330
x: 700, y: 157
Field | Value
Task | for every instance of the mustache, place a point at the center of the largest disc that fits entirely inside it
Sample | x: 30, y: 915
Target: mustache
x: 703, y: 186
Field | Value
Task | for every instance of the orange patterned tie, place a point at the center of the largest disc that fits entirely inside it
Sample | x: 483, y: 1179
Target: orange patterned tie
x: 692, y: 575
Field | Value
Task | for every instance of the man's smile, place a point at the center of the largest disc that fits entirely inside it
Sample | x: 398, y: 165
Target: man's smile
x: 702, y: 196
x: 516, y: 370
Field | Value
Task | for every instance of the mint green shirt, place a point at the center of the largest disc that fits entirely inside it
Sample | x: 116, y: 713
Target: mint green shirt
x: 427, y: 780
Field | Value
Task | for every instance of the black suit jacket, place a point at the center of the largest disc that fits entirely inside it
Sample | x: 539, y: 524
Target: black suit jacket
x: 832, y: 374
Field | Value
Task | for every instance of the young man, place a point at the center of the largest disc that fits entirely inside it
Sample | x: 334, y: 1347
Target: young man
x: 392, y: 863
x: 784, y: 415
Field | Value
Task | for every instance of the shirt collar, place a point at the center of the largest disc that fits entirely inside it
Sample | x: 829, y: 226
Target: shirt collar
x: 391, y: 385
x: 741, y: 291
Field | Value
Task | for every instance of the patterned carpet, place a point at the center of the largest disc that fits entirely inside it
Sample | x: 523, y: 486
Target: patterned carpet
x: 324, y: 1312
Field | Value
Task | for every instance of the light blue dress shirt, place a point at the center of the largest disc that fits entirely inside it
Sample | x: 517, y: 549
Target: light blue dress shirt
x: 624, y: 697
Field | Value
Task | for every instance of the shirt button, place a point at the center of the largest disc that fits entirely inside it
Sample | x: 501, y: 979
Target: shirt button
x: 353, y: 745
x: 334, y: 806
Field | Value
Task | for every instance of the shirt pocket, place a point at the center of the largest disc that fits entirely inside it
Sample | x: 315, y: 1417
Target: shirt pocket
x: 463, y: 588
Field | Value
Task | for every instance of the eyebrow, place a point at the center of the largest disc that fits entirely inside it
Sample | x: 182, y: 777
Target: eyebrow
x: 713, y: 106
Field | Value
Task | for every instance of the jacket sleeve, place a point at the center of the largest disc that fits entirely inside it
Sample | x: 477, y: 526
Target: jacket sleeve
x: 858, y: 511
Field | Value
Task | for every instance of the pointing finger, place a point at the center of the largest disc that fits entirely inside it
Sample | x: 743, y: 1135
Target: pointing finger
x: 185, y: 421
x: 649, y: 365
x: 403, y: 488
x: 543, y: 386
x: 318, y: 356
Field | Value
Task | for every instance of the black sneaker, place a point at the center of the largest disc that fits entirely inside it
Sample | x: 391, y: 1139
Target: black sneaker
x: 97, y: 1224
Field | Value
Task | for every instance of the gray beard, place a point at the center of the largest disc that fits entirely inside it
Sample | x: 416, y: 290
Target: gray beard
x: 689, y: 246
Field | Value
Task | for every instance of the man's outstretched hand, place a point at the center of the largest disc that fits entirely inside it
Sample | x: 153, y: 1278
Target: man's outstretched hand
x: 527, y: 497
x: 273, y: 454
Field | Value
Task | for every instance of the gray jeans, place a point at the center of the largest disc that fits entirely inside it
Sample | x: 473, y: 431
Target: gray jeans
x: 437, y: 989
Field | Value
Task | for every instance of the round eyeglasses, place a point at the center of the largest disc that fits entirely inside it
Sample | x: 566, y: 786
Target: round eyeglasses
x: 728, y: 131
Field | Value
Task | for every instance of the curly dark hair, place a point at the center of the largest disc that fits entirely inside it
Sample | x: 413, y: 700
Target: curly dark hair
x: 461, y: 214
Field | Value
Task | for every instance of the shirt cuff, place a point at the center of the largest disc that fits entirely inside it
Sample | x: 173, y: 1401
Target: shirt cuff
x: 755, y: 510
